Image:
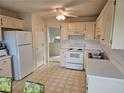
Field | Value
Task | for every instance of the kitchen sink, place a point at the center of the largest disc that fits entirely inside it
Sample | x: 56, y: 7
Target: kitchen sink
x: 101, y: 56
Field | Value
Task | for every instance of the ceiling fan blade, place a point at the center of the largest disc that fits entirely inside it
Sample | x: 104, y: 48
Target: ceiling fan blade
x: 69, y: 15
x: 46, y: 10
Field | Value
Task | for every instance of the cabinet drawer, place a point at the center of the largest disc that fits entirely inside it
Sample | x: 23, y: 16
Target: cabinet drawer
x: 5, y: 68
x: 4, y: 62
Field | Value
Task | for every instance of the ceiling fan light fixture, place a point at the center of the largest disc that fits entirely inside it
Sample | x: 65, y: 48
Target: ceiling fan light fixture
x: 60, y: 17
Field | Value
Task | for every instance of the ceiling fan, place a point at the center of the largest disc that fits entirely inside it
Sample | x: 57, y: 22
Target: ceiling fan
x: 61, y: 14
x: 63, y: 10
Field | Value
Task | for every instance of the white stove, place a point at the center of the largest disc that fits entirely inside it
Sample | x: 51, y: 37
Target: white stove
x: 74, y: 58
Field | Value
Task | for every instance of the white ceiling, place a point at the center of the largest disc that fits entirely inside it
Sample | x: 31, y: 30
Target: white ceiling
x: 43, y: 7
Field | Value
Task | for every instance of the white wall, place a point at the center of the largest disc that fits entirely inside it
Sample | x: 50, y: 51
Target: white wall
x: 27, y: 17
x: 52, y: 22
x: 8, y: 13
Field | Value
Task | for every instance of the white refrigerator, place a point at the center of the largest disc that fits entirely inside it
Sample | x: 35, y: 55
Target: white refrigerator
x: 19, y: 45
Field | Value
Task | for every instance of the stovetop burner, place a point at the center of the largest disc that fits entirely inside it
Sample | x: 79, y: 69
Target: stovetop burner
x: 70, y: 48
x: 75, y: 49
x: 80, y: 49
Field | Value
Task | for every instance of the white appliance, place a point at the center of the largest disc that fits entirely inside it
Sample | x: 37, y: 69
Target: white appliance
x: 19, y: 44
x: 75, y: 59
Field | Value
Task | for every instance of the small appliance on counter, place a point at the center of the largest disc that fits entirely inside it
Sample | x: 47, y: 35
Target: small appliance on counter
x: 3, y: 50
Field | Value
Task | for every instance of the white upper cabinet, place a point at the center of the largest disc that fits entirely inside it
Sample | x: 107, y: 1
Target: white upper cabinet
x: 71, y: 27
x: 7, y: 22
x: 118, y: 31
x: 18, y: 24
x: 84, y: 28
x: 90, y: 30
x: 64, y: 31
x: 110, y: 25
x: 0, y: 34
x: 77, y: 27
x: 10, y: 22
x: 0, y: 30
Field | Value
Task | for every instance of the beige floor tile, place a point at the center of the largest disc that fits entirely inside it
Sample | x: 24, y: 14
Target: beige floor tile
x: 56, y: 79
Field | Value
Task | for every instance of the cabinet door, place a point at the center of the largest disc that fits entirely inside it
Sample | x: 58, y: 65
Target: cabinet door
x: 89, y: 31
x: 19, y: 24
x: 71, y: 27
x: 108, y: 23
x: 100, y: 27
x: 7, y: 22
x: 10, y: 22
x: 64, y: 31
x: 98, y: 30
x: 0, y: 20
x: 77, y: 27
x: 105, y: 23
x: 5, y: 68
x: 118, y: 29
x: 80, y: 26
x: 63, y: 57
x: 0, y: 34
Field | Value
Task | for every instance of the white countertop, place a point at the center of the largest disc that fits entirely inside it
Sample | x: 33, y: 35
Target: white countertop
x: 102, y: 69
x: 5, y: 57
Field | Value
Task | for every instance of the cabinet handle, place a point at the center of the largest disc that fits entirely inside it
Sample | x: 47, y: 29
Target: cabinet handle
x: 85, y: 27
x: 1, y: 22
x: 87, y: 87
x: 5, y: 61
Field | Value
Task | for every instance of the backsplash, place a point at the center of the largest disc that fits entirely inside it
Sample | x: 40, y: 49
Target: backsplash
x: 116, y: 56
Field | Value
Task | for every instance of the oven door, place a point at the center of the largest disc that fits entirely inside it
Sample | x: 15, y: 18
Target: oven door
x: 74, y: 57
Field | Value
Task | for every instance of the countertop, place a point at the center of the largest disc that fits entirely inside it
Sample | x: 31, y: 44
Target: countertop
x: 5, y: 57
x: 102, y: 69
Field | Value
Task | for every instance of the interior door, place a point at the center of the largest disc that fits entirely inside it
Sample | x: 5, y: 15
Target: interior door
x: 39, y: 56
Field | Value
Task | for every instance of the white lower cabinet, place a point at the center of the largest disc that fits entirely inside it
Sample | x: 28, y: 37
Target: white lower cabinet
x: 5, y: 68
x: 63, y: 57
x: 105, y: 85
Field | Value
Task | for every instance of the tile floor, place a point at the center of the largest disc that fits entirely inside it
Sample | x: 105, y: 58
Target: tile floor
x: 54, y: 59
x: 56, y: 79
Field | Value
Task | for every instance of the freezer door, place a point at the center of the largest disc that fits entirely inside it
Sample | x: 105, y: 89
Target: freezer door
x: 25, y: 60
x: 23, y: 37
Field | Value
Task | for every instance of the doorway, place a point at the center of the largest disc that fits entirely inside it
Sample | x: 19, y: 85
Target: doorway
x: 54, y: 44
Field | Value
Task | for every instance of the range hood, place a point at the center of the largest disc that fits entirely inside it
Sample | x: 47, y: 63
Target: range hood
x: 76, y: 33
x: 77, y: 37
